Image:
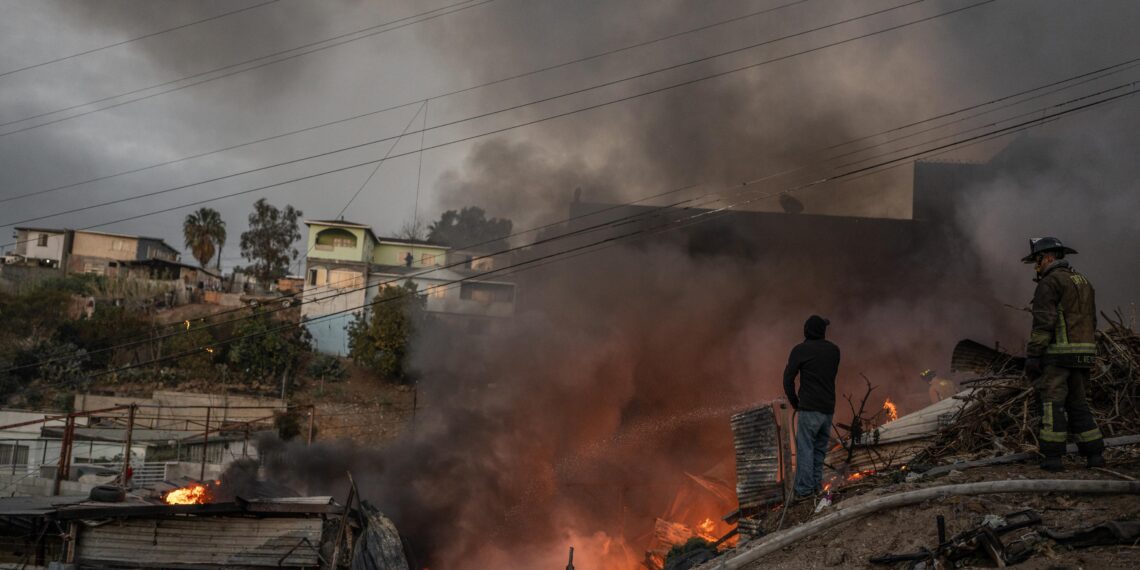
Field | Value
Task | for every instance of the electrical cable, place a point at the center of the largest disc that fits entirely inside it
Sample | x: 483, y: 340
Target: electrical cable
x: 488, y: 133
x: 619, y: 206
x: 1088, y: 79
x: 135, y: 39
x: 424, y: 16
x: 604, y: 225
x: 400, y: 106
x: 594, y: 246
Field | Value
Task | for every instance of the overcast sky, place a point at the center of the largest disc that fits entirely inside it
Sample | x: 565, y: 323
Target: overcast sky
x: 720, y: 131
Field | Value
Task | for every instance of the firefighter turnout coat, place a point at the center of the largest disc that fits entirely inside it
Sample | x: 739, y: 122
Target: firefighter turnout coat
x: 1064, y: 318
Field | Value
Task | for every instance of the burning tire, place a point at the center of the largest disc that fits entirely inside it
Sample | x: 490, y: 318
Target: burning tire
x: 108, y: 494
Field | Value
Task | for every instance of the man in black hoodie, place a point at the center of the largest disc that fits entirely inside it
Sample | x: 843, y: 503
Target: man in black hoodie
x: 816, y: 361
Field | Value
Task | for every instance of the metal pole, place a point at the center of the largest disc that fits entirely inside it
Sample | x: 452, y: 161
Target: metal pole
x: 205, y: 446
x: 415, y: 402
x: 312, y: 416
x: 127, y: 445
x: 61, y: 470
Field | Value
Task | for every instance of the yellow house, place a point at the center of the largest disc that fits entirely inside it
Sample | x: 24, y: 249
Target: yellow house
x: 347, y: 264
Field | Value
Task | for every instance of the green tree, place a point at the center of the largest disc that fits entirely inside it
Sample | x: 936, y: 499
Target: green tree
x: 205, y: 234
x: 266, y: 352
x: 268, y: 243
x: 380, y: 338
x: 469, y: 228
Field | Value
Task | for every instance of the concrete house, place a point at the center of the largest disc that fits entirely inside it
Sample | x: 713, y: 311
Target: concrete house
x: 46, y: 246
x: 344, y: 256
x: 98, y: 252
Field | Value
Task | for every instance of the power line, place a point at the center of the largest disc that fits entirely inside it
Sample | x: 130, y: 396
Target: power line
x: 423, y: 17
x: 474, y: 245
x: 1084, y: 77
x: 402, y: 105
x: 680, y: 189
x: 512, y: 127
x: 689, y: 220
x: 656, y: 213
x: 135, y: 39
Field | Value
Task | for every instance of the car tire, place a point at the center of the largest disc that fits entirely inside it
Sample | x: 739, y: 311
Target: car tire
x: 108, y: 494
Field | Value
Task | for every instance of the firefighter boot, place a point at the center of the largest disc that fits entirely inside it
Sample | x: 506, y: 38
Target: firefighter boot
x: 1094, y: 461
x: 1052, y: 463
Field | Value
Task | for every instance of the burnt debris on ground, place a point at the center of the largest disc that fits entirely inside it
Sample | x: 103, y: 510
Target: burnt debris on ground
x: 956, y: 484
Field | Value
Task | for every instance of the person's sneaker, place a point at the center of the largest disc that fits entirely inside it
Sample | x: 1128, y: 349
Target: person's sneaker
x: 1094, y: 461
x: 1052, y: 464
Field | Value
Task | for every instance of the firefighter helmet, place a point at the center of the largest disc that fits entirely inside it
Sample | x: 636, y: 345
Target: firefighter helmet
x: 1045, y: 244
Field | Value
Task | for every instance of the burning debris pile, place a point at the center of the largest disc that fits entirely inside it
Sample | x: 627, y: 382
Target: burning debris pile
x: 999, y: 416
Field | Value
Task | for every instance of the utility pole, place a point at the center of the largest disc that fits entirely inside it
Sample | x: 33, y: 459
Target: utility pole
x: 205, y: 445
x: 127, y: 446
x: 62, y: 470
x: 570, y: 565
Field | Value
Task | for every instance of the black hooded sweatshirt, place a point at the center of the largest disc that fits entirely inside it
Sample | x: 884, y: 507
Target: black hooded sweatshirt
x: 816, y: 361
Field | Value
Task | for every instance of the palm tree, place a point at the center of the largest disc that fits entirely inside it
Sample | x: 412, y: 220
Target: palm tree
x: 205, y: 234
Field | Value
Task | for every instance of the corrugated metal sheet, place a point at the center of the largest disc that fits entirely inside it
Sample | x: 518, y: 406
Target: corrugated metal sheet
x: 204, y: 541
x: 757, y: 455
x: 316, y: 500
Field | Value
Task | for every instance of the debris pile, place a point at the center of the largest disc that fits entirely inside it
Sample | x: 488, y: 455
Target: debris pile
x: 1000, y: 417
x: 881, y: 468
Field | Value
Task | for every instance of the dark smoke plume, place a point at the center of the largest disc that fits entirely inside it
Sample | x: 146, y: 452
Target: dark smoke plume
x: 578, y: 421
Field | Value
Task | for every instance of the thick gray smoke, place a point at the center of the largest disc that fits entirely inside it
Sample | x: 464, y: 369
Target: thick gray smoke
x: 578, y: 421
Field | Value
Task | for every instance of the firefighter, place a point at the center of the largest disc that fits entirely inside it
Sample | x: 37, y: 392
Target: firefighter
x: 939, y: 388
x: 1061, y: 350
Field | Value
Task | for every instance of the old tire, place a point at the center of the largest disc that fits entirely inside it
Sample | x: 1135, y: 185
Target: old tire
x: 108, y: 494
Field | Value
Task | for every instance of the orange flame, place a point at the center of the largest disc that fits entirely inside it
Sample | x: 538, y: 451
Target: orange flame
x: 860, y: 474
x: 705, y: 530
x: 194, y: 494
x: 892, y: 410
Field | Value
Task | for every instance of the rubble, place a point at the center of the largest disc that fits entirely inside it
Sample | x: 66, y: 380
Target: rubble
x: 998, y: 416
x: 973, y: 441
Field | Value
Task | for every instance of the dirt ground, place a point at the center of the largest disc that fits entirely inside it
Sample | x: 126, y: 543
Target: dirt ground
x: 909, y: 529
x: 360, y: 407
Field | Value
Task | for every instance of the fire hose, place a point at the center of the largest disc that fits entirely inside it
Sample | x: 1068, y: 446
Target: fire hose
x: 776, y: 541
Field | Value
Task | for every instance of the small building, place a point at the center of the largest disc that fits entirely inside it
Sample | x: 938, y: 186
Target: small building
x: 102, y: 253
x: 348, y: 264
x: 44, y: 246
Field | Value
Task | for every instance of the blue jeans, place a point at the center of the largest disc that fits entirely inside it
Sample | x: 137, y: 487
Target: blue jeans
x: 813, y: 434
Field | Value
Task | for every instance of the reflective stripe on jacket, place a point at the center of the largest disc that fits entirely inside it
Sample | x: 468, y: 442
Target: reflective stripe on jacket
x: 1064, y: 318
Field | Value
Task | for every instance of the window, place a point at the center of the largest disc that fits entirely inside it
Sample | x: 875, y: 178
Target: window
x: 484, y: 263
x: 41, y: 240
x: 13, y: 454
x: 317, y: 276
x: 437, y: 291
x: 118, y: 245
x: 427, y: 259
x: 345, y: 279
x: 486, y: 293
x: 332, y: 238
